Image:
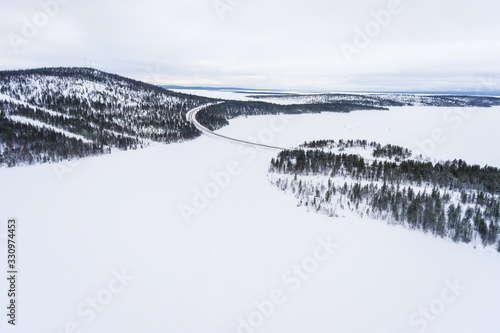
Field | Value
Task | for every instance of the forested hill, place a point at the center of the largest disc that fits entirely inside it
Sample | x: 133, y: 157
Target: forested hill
x: 50, y: 114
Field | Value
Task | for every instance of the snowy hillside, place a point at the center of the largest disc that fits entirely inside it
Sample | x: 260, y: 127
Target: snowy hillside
x: 57, y: 113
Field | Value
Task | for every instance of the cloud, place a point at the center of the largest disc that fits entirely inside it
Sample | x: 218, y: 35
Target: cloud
x: 263, y: 44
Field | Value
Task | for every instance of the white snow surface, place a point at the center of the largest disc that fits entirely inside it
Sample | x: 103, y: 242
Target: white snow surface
x: 81, y: 222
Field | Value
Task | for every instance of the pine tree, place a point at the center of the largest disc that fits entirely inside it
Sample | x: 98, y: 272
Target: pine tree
x: 483, y: 231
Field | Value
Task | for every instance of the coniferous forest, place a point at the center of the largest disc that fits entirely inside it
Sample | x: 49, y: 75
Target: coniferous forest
x: 216, y: 116
x: 452, y: 199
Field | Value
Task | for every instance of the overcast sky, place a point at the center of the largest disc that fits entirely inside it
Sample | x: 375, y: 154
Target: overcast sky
x: 424, y: 45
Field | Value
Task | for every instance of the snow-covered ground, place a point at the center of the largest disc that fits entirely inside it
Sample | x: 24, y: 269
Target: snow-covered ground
x: 192, y: 237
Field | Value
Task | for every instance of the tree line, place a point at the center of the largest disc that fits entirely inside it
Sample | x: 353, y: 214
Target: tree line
x: 217, y: 116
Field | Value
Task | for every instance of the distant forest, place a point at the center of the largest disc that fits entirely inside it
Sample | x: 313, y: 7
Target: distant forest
x: 216, y: 116
x: 386, y: 99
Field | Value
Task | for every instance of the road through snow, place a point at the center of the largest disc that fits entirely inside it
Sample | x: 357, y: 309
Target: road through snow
x: 191, y: 117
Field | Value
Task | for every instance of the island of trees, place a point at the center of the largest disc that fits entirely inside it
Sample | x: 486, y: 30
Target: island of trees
x: 452, y: 199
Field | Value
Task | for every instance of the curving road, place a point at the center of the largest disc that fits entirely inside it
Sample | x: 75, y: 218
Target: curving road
x: 191, y: 117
